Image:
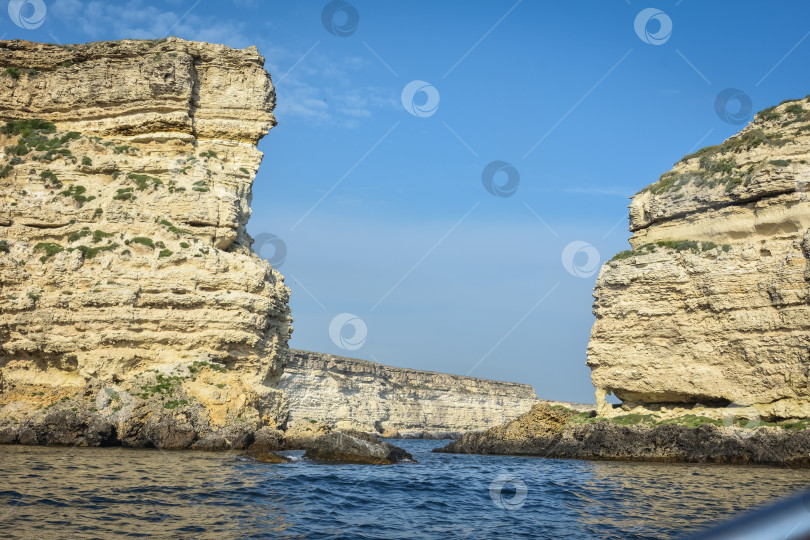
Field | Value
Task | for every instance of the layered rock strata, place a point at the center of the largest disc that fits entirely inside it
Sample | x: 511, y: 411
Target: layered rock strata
x: 346, y: 393
x: 130, y: 298
x: 711, y: 307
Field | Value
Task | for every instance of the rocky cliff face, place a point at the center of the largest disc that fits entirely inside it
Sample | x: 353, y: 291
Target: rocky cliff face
x: 712, y: 305
x: 345, y: 393
x: 125, y: 266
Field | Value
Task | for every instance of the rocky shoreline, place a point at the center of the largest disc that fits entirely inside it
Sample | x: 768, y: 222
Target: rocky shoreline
x: 555, y: 432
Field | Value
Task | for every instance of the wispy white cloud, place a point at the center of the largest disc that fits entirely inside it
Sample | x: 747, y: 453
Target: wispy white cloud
x: 136, y: 19
x: 323, y: 89
x: 319, y: 88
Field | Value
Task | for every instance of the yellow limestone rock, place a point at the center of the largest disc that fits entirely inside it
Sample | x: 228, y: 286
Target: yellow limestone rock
x: 712, y: 305
x: 347, y: 393
x: 123, y: 246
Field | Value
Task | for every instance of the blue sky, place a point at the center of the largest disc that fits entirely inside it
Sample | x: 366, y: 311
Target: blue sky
x: 384, y: 214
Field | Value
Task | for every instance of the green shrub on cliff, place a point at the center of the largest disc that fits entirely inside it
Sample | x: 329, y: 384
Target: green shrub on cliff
x: 676, y: 245
x: 168, y: 224
x: 77, y: 193
x: 12, y: 72
x: 198, y: 365
x: 123, y: 194
x: 143, y: 180
x: 144, y: 241
x: 98, y: 236
x: 164, y: 385
x: 18, y: 126
x: 74, y: 236
x: 89, y: 252
x: 49, y: 248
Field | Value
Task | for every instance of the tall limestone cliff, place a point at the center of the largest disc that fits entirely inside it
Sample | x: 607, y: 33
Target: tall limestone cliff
x: 711, y: 307
x: 127, y: 281
x: 346, y: 393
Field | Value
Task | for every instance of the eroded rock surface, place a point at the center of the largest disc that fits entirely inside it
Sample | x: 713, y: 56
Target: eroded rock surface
x: 712, y: 305
x: 128, y: 289
x: 355, y: 447
x: 559, y: 433
x: 333, y: 392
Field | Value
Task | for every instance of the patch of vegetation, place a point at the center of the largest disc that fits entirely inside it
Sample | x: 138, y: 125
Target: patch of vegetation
x: 144, y: 241
x: 164, y: 386
x: 12, y: 72
x: 209, y: 154
x: 74, y: 236
x: 184, y: 245
x: 125, y: 149
x: 166, y: 223
x: 633, y: 419
x: 49, y: 248
x: 89, y: 252
x: 200, y: 186
x: 123, y: 194
x: 98, y: 211
x: 165, y: 253
x: 143, y: 180
x: 77, y: 193
x: 692, y: 421
x: 86, y: 161
x: 3, y: 246
x: 769, y: 114
x: 680, y: 245
x: 33, y: 296
x: 7, y: 168
x: 715, y: 166
x: 174, y: 404
x: 780, y: 162
x: 676, y: 245
x: 642, y: 250
x: 50, y: 179
x: 126, y: 252
x: 198, y: 365
x: 19, y: 126
x: 244, y: 170
x: 69, y: 136
x: 98, y: 236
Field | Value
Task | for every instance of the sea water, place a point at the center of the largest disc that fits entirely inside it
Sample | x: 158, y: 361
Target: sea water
x: 105, y: 492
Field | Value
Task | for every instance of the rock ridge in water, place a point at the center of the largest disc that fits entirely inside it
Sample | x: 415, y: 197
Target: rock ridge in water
x: 556, y: 432
x: 346, y: 393
x: 130, y: 299
x: 711, y: 306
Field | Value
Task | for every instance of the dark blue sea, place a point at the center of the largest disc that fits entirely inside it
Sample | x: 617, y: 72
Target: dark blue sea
x: 106, y: 492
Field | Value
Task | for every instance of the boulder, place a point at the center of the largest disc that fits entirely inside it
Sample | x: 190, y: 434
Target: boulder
x: 355, y: 447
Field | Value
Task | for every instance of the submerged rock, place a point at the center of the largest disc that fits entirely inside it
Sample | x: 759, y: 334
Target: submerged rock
x: 265, y: 453
x: 355, y: 447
